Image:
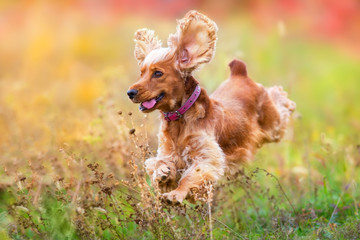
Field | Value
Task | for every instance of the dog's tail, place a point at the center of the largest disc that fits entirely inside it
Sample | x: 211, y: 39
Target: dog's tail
x: 237, y: 68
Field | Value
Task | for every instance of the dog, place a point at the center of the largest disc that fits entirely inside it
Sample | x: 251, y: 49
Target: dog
x: 201, y: 137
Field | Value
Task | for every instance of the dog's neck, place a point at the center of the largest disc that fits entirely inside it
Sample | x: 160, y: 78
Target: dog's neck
x: 198, y: 109
x: 190, y: 85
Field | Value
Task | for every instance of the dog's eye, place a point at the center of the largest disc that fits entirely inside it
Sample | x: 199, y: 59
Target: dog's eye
x: 157, y: 74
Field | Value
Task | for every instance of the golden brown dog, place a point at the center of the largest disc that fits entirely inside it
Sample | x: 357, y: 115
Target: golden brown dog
x: 215, y: 134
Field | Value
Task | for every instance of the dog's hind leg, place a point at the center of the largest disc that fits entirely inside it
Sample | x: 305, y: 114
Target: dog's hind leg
x: 284, y: 106
x: 274, y: 113
x: 238, y: 157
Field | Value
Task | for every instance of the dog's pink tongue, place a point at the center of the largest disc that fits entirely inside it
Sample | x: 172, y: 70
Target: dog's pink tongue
x: 149, y: 104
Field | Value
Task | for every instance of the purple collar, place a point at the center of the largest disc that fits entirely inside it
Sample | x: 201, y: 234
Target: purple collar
x: 172, y: 116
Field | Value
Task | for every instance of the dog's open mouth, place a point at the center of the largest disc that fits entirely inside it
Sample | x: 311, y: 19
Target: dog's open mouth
x: 151, y: 103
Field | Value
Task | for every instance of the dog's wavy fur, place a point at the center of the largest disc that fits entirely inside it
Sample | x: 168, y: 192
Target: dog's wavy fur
x: 219, y: 132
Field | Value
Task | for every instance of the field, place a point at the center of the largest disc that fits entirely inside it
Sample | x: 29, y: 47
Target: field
x: 72, y: 145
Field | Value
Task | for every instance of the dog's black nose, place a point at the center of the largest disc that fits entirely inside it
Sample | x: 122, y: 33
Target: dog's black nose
x: 132, y: 93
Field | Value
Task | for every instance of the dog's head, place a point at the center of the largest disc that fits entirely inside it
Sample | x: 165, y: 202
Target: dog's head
x: 164, y: 70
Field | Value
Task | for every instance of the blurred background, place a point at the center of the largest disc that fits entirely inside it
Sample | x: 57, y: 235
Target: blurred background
x: 65, y: 67
x: 66, y: 122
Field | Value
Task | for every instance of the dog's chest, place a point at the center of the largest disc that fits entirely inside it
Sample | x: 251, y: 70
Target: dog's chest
x: 179, y: 144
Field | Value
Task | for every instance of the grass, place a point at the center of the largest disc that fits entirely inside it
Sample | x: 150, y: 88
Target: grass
x: 73, y: 147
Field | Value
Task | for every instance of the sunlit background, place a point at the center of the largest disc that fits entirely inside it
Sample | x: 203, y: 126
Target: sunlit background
x: 58, y: 59
x: 64, y: 62
x: 65, y: 67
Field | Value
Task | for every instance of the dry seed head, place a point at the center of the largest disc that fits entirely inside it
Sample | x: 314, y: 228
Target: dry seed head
x: 22, y: 208
x: 80, y: 210
x: 99, y: 209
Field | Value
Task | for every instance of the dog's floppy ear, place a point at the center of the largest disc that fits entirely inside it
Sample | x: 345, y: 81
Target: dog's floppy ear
x: 145, y: 42
x: 194, y: 41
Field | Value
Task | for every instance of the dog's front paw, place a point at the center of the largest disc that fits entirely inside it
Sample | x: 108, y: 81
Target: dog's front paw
x: 175, y: 196
x: 162, y: 174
